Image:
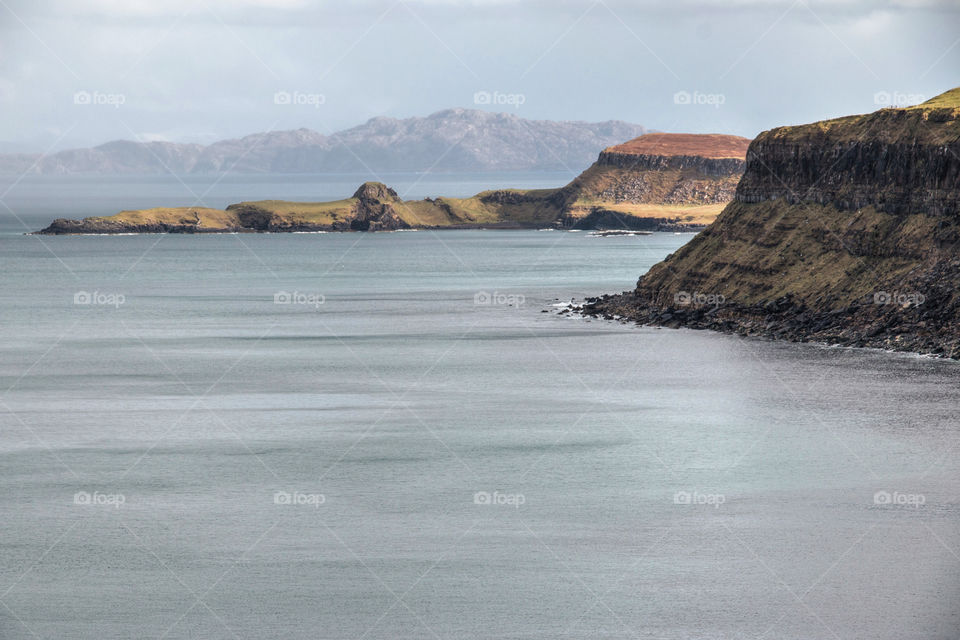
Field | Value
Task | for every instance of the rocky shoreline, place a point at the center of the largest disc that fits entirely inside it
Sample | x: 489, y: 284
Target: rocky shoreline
x: 866, y: 323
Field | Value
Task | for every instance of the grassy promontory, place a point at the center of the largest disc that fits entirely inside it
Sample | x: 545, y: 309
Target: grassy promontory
x: 657, y: 181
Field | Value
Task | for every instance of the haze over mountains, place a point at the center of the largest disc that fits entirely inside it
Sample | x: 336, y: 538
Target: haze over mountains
x: 449, y: 140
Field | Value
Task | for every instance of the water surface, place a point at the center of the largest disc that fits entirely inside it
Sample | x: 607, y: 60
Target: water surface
x: 463, y: 470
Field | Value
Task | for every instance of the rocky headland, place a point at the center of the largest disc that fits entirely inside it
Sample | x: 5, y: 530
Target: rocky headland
x: 845, y: 232
x: 654, y: 182
x: 659, y: 181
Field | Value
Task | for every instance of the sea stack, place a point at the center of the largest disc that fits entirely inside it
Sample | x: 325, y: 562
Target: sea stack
x: 844, y: 231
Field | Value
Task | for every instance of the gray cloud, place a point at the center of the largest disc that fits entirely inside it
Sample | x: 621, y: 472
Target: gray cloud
x: 192, y: 70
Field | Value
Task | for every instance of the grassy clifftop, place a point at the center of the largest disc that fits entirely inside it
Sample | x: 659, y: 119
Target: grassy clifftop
x: 706, y: 145
x: 934, y: 121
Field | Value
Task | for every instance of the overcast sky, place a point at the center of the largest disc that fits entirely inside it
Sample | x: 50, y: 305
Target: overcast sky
x: 81, y: 72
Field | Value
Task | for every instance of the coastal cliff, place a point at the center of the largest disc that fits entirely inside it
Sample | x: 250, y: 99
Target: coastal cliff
x: 845, y: 232
x: 656, y: 181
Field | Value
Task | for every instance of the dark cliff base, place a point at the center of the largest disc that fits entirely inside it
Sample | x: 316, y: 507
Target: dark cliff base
x: 923, y: 329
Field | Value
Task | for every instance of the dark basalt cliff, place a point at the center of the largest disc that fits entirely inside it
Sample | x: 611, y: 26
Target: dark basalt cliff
x: 898, y: 160
x: 845, y: 232
x: 648, y: 162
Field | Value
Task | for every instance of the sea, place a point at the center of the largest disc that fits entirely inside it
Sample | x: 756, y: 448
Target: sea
x: 400, y: 435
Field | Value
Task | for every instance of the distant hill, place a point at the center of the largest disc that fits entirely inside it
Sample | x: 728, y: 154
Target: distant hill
x: 450, y: 140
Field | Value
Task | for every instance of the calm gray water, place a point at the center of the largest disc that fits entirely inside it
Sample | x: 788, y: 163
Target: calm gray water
x: 182, y: 457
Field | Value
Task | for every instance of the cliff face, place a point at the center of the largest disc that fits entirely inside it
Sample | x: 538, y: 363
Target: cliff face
x: 897, y: 160
x: 721, y: 167
x: 657, y: 180
x: 688, y: 180
x: 845, y: 231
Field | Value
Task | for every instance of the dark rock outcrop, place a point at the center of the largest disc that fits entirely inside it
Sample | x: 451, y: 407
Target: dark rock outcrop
x: 374, y: 209
x: 375, y: 191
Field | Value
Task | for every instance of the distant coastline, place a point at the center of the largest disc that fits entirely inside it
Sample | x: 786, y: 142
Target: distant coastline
x: 656, y: 182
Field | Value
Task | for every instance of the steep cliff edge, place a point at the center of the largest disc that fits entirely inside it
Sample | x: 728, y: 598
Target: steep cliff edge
x: 845, y: 231
x: 655, y: 180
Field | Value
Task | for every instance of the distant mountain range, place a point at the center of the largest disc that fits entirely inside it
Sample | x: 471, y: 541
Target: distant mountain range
x: 450, y: 140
